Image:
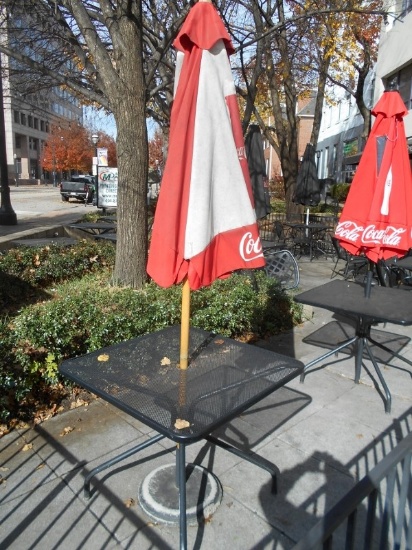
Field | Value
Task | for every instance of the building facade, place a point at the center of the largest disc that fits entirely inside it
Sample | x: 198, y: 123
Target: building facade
x: 28, y: 123
x: 340, y: 138
x: 340, y: 143
x: 394, y: 64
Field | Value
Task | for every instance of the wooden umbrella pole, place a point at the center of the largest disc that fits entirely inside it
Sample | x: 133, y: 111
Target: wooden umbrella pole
x: 185, y: 325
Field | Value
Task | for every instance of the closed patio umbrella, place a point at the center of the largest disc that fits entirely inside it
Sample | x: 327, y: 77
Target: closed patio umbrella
x: 257, y: 171
x: 205, y: 224
x: 377, y: 217
x: 307, y: 191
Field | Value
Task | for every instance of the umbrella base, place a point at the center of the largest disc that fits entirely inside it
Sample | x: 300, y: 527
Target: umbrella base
x: 159, y: 494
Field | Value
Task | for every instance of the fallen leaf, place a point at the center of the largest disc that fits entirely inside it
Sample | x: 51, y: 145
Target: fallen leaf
x: 2, y: 480
x: 40, y: 466
x: 103, y: 357
x: 129, y: 502
x: 4, y: 469
x: 220, y: 342
x: 66, y: 431
x: 27, y: 447
x: 4, y: 430
x: 165, y: 361
x: 359, y: 436
x: 78, y: 403
x: 181, y: 424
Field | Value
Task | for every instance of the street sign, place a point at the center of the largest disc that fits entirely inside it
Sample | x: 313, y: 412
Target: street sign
x: 106, y: 187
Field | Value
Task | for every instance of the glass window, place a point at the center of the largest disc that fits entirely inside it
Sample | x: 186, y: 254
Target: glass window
x: 17, y: 117
x: 23, y: 119
x: 33, y: 144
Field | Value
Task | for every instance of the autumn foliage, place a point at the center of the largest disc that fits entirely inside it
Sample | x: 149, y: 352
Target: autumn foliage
x: 70, y: 149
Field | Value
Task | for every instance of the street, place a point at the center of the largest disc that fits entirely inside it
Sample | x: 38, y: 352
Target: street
x: 41, y: 206
x: 37, y: 200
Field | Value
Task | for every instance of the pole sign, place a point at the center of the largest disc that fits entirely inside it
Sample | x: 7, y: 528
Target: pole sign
x: 106, y: 187
x: 102, y: 156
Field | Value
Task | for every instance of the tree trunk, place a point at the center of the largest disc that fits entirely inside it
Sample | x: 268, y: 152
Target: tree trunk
x: 128, y: 104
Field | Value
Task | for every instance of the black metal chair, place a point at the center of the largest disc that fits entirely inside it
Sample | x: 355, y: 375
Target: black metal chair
x: 354, y: 265
x: 279, y: 239
x: 375, y: 513
x: 392, y: 276
x: 283, y: 266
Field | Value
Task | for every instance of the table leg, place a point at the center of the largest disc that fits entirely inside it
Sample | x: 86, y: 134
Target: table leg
x: 326, y: 355
x: 388, y: 401
x: 249, y: 457
x: 358, y: 359
x: 181, y: 475
x: 116, y: 459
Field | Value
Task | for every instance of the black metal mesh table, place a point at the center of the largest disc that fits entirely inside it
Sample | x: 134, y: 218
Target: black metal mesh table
x: 346, y: 298
x: 142, y: 378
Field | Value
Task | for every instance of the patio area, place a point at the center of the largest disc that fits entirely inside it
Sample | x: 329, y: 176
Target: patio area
x: 323, y: 435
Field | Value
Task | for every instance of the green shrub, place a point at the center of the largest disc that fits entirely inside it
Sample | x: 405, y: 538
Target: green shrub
x: 47, y: 265
x: 339, y: 191
x: 89, y: 314
x: 58, y: 303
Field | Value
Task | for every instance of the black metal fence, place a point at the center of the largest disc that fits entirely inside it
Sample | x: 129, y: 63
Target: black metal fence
x: 376, y: 513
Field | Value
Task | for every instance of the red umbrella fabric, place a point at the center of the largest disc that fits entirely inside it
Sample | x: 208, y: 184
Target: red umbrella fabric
x: 205, y: 224
x: 377, y: 216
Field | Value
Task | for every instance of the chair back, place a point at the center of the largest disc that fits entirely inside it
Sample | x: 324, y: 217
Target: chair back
x: 280, y: 233
x: 283, y: 266
x: 341, y: 253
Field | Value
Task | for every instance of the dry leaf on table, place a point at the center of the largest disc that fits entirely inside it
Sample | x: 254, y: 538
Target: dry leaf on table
x: 103, y: 357
x: 181, y: 424
x: 165, y: 361
x: 27, y: 447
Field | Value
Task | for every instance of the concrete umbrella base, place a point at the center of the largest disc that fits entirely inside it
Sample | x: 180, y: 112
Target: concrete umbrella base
x: 159, y: 494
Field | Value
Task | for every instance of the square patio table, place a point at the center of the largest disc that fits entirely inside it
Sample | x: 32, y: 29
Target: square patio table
x: 141, y: 377
x: 384, y: 305
x: 307, y: 233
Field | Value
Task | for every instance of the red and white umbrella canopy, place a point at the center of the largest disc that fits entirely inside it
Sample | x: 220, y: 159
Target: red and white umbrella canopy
x: 377, y: 216
x: 205, y: 224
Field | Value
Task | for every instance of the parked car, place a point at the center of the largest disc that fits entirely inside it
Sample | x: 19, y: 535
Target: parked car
x: 78, y: 187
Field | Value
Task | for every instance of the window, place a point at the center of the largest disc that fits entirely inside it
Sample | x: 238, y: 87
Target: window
x: 403, y: 80
x: 17, y: 117
x: 326, y: 162
x: 36, y: 123
x: 406, y: 7
x: 30, y: 119
x: 18, y: 141
x: 23, y: 119
x: 33, y: 144
x: 335, y: 159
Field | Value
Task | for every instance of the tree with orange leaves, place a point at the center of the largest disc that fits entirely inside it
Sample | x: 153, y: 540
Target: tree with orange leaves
x: 70, y: 149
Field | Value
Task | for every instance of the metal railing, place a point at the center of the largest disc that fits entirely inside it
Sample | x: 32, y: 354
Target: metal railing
x: 376, y: 513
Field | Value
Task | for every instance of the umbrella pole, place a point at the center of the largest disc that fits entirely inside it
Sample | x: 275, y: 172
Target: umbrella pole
x: 184, y: 328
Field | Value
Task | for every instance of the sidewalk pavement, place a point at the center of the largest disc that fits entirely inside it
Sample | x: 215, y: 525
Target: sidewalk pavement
x: 49, y: 224
x: 323, y: 435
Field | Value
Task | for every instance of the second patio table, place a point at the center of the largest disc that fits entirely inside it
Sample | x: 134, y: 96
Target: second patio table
x: 224, y: 378
x: 346, y: 298
x: 308, y: 233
